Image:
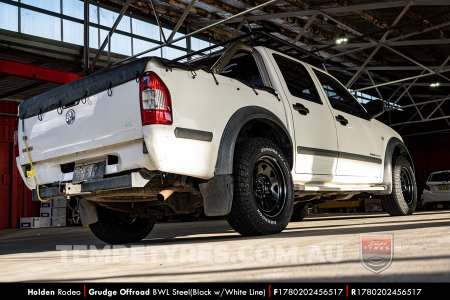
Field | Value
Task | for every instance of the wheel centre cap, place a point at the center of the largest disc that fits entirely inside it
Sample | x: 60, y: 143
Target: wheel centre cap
x: 262, y: 186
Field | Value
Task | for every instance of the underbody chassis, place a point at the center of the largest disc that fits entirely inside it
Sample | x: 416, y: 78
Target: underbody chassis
x: 141, y: 192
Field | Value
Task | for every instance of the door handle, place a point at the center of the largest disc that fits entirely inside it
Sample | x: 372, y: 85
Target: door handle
x: 301, y: 109
x: 341, y: 120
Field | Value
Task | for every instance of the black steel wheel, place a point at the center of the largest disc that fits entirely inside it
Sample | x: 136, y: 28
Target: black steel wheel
x: 407, y: 184
x: 263, y: 189
x: 269, y: 186
x: 403, y: 199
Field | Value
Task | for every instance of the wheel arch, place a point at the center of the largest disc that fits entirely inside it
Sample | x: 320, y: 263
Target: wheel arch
x: 250, y: 121
x: 395, y: 147
x: 247, y: 122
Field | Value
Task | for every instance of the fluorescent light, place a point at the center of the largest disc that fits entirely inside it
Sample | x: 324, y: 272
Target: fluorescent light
x: 435, y: 84
x: 341, y: 40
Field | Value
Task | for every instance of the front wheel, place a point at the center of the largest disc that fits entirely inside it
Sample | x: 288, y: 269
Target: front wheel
x: 403, y: 199
x: 115, y: 227
x: 263, y: 189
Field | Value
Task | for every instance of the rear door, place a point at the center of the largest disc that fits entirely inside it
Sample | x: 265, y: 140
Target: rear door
x: 359, y: 143
x: 315, y: 131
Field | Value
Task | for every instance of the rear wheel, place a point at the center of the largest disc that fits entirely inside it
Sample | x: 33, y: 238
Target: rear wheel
x: 263, y: 189
x: 115, y: 227
x: 403, y: 199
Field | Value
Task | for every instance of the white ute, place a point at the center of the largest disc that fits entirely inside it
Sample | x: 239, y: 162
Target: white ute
x: 254, y: 138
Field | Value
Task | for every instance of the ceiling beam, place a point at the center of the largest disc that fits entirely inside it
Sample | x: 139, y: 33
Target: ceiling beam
x: 336, y: 10
x: 417, y: 84
x: 166, y: 13
x: 385, y: 68
x: 427, y: 132
x: 426, y: 42
x: 395, y: 38
x: 380, y: 44
x: 181, y: 20
x: 438, y: 73
x: 401, y: 80
x: 304, y: 28
x: 27, y: 88
x: 421, y: 121
x: 193, y: 33
x: 36, y: 72
x: 431, y: 101
x: 107, y: 39
x: 414, y: 15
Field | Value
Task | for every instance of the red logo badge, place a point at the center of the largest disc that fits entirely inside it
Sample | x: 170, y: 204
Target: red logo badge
x: 377, y: 251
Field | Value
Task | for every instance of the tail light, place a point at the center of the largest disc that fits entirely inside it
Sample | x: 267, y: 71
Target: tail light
x: 156, y: 106
x: 427, y: 187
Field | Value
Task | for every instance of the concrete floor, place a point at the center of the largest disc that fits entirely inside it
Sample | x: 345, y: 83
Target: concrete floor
x: 320, y: 248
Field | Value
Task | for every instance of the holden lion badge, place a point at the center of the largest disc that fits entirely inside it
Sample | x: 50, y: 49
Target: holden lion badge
x: 70, y: 117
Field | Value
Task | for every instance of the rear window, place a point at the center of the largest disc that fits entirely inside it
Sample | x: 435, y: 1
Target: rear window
x: 297, y: 79
x: 243, y: 67
x: 444, y: 176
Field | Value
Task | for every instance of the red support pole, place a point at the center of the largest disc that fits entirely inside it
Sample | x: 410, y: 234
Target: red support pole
x: 14, y: 218
x: 14, y: 68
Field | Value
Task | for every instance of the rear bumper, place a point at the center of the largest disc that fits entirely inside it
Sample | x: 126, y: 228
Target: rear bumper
x: 133, y: 179
x: 428, y: 197
x: 130, y: 157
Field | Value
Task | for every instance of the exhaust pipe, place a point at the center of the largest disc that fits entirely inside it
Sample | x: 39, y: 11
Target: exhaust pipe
x: 164, y: 195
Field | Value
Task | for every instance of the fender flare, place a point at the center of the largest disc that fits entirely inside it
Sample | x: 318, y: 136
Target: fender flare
x: 391, y: 147
x: 234, y: 126
x: 218, y: 192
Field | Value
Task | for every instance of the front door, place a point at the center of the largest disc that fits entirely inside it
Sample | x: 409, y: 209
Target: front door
x: 359, y: 143
x: 315, y: 131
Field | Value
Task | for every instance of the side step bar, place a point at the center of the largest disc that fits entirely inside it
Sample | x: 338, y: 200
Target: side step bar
x: 134, y: 179
x: 340, y: 188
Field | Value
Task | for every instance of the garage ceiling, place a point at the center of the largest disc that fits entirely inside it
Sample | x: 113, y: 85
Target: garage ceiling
x: 400, y: 47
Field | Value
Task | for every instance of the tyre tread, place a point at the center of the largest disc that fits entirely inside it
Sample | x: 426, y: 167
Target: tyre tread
x: 243, y: 217
x: 394, y: 203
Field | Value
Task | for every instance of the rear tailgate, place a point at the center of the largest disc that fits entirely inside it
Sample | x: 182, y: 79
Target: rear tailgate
x: 99, y: 110
x: 99, y: 120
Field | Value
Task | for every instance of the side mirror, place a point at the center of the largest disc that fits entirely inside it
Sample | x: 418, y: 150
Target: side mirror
x: 374, y: 108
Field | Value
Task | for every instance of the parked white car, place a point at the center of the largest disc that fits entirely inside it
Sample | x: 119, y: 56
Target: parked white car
x: 248, y: 138
x: 437, y: 189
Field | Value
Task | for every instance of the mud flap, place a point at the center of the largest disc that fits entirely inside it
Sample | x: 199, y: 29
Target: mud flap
x: 217, y: 195
x: 88, y: 212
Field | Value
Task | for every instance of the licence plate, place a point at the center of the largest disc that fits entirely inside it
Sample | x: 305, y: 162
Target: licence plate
x: 443, y: 188
x: 89, y: 172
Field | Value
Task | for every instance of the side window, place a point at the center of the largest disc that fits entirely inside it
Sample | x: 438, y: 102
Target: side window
x: 243, y: 67
x: 339, y: 97
x: 297, y: 79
